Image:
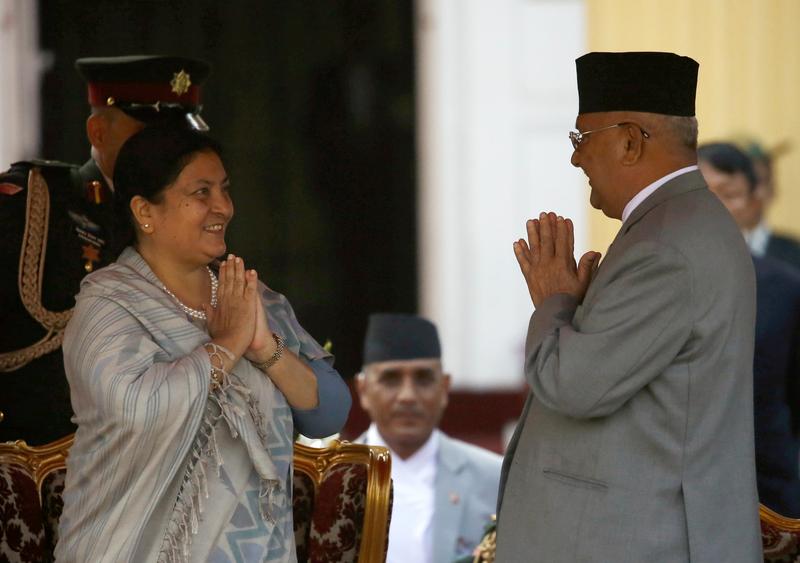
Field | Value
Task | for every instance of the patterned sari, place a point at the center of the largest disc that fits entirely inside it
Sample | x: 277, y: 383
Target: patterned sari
x: 164, y: 466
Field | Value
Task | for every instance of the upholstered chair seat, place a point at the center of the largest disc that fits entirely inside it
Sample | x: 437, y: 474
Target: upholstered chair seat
x: 780, y: 537
x: 341, y: 499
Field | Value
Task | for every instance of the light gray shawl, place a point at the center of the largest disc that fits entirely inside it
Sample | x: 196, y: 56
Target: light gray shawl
x: 153, y: 435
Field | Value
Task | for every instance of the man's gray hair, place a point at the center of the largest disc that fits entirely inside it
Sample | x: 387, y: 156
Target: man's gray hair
x: 682, y: 129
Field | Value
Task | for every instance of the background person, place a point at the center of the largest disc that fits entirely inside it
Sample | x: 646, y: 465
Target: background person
x: 761, y: 239
x: 776, y: 368
x: 58, y: 218
x: 185, y: 381
x: 444, y: 489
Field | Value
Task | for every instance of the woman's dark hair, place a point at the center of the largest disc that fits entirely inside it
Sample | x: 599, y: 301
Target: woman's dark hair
x: 147, y: 163
x: 728, y: 158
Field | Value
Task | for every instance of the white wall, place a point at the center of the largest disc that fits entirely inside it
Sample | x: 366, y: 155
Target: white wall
x: 496, y: 97
x: 20, y: 67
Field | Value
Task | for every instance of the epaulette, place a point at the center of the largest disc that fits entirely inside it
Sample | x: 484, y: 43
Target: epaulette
x: 15, y: 179
x: 42, y: 163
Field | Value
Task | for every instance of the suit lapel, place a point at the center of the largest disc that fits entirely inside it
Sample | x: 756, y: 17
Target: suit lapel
x: 508, y: 458
x: 448, y: 505
x: 449, y: 492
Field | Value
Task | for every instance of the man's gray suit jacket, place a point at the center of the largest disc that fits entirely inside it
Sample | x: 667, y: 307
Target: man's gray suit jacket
x: 465, y: 496
x: 636, y: 442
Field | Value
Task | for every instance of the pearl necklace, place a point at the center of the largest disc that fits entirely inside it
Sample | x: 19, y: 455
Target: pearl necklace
x: 194, y: 312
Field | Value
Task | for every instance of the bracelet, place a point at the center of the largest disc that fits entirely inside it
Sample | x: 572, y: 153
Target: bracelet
x: 264, y: 366
x: 218, y: 373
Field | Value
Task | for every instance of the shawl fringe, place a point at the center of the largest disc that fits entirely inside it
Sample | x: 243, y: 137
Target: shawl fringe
x: 190, y: 503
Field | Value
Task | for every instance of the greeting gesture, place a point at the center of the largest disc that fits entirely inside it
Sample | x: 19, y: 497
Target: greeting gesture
x: 233, y: 322
x: 547, y: 260
x: 263, y: 344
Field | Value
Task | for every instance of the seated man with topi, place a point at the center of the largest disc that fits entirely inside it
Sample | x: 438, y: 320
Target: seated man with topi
x: 445, y: 490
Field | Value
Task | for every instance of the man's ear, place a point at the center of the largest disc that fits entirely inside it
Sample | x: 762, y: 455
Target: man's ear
x: 361, y: 388
x: 633, y: 144
x: 97, y: 129
x: 761, y: 192
x: 446, y: 385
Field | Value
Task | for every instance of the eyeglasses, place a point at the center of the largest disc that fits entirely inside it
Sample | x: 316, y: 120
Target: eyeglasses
x: 577, y: 136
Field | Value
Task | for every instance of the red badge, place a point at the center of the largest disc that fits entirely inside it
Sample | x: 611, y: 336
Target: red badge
x: 96, y: 192
x: 9, y: 189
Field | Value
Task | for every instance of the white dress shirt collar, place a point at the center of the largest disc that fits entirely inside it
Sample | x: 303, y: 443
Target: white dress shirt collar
x: 109, y: 181
x: 424, y: 456
x: 647, y: 191
x: 758, y: 239
x: 413, y: 479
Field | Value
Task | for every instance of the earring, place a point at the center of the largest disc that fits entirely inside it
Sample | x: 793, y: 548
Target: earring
x: 146, y: 226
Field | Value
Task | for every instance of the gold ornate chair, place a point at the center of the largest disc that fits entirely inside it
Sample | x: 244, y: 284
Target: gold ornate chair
x: 341, y: 497
x: 780, y: 537
x: 484, y: 552
x: 342, y: 502
x: 31, y: 482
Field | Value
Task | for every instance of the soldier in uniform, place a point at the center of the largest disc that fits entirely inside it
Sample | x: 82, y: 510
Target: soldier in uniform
x: 57, y: 221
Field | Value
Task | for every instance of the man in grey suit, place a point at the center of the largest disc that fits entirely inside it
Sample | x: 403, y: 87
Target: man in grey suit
x: 636, y: 442
x: 445, y: 490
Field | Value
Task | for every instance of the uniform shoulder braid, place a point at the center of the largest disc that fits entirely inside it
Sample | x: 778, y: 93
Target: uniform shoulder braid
x: 55, y: 214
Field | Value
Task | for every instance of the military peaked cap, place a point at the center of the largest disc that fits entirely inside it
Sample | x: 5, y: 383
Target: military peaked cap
x: 147, y: 87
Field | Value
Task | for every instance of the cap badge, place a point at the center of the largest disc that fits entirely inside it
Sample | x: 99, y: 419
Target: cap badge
x: 180, y: 82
